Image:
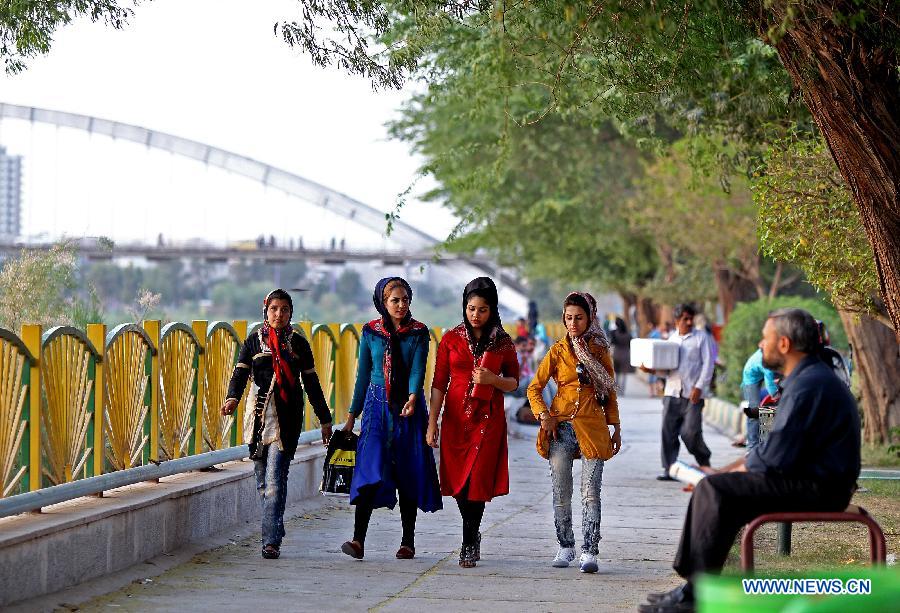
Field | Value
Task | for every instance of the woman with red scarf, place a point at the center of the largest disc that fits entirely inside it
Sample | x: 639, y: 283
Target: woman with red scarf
x: 276, y: 358
x: 392, y: 460
x: 476, y: 363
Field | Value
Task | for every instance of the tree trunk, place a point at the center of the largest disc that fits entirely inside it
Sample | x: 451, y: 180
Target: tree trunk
x: 666, y: 314
x: 776, y: 281
x: 877, y: 364
x: 732, y: 289
x: 725, y: 290
x: 647, y: 316
x: 849, y: 80
x: 628, y: 300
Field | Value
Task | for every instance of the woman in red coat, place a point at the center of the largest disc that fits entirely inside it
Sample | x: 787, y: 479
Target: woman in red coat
x: 476, y: 363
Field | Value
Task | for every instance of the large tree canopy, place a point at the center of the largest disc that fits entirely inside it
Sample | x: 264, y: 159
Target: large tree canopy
x: 738, y: 69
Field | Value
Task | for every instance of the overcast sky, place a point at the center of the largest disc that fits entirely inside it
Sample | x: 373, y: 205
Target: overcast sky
x: 212, y: 71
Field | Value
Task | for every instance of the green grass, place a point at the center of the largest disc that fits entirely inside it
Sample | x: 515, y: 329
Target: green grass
x: 879, y: 456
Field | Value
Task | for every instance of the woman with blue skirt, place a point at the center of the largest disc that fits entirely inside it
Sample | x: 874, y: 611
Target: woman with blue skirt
x: 392, y: 460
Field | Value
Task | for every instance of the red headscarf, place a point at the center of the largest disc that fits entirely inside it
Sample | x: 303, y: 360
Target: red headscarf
x: 279, y: 340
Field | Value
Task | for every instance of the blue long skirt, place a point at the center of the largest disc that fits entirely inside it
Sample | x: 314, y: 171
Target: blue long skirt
x: 392, y: 453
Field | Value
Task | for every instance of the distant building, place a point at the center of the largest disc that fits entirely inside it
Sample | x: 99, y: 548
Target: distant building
x: 10, y: 194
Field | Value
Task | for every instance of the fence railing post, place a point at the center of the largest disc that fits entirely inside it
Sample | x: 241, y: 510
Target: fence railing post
x: 237, y: 438
x: 151, y: 327
x: 96, y: 333
x: 307, y: 327
x: 199, y: 326
x: 31, y: 336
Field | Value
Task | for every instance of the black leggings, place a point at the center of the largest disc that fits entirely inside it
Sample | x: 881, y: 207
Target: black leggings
x: 471, y: 511
x: 364, y: 508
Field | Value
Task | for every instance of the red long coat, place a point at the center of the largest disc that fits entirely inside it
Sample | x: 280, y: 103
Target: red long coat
x: 473, y: 431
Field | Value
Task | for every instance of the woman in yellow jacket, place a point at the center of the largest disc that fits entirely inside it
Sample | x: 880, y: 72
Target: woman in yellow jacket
x: 577, y: 423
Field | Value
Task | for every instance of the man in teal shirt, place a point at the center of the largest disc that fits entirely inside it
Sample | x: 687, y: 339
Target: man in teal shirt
x: 755, y: 376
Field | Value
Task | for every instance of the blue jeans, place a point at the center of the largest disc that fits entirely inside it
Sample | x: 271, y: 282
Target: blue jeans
x: 751, y: 395
x: 563, y: 452
x: 271, y: 483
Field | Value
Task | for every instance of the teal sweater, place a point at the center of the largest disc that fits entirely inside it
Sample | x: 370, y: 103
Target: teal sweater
x: 414, y: 347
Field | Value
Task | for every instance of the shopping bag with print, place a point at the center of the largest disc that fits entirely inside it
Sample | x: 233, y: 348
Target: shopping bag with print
x: 340, y: 460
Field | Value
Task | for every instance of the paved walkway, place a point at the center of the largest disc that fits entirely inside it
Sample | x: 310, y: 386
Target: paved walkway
x: 641, y: 525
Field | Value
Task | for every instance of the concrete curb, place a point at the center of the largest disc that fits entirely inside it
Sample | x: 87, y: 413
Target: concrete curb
x: 726, y: 417
x: 86, y: 538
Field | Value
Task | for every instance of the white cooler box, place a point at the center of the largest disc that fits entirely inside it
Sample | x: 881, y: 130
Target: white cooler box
x: 654, y: 353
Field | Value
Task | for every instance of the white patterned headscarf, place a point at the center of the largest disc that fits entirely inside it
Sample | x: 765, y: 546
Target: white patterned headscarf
x: 600, y: 378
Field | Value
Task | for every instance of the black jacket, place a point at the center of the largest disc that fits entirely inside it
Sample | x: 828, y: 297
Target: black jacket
x: 816, y: 434
x: 255, y: 361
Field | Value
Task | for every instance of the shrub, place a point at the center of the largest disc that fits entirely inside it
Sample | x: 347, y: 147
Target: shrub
x: 45, y: 288
x: 741, y: 336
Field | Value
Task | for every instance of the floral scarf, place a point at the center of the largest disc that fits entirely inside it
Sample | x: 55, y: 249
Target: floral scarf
x: 497, y: 340
x: 396, y: 372
x: 600, y: 378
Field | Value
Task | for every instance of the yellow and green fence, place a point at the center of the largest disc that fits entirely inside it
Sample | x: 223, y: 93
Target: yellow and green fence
x: 77, y: 405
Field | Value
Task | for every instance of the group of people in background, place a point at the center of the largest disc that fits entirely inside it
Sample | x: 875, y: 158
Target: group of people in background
x: 477, y: 362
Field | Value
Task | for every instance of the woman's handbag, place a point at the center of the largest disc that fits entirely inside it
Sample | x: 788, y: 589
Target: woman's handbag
x: 340, y: 460
x: 492, y: 361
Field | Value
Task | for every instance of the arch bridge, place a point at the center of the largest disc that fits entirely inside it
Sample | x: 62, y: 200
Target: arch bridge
x: 513, y: 293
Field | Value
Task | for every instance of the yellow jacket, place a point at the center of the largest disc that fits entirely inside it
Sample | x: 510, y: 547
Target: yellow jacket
x: 574, y: 402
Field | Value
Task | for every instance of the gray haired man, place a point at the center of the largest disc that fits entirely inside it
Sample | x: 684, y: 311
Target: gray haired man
x: 810, y: 462
x: 686, y: 388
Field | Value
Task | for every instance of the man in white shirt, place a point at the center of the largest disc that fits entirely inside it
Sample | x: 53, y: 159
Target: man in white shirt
x: 686, y: 388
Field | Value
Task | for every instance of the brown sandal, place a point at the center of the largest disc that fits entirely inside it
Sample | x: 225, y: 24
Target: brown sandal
x: 406, y: 552
x: 353, y: 549
x: 271, y: 552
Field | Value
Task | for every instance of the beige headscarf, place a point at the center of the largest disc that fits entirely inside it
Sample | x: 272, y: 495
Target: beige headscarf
x: 603, y: 383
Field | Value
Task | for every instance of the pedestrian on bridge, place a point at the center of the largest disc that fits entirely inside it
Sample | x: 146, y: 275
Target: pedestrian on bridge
x: 577, y: 424
x: 392, y: 460
x: 276, y: 359
x: 476, y: 363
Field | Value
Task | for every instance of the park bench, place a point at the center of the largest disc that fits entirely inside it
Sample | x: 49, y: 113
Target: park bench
x: 853, y: 513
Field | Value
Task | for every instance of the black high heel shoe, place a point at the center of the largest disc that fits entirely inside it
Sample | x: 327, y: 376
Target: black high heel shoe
x: 467, y: 556
x: 478, y: 548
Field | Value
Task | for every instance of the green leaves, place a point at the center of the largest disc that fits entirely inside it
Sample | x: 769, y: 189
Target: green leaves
x: 27, y: 26
x: 807, y: 217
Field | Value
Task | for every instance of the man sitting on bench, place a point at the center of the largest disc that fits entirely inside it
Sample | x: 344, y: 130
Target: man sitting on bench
x: 810, y: 461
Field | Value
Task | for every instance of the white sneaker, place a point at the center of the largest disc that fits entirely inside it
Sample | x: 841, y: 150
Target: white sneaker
x: 588, y: 563
x: 564, y: 556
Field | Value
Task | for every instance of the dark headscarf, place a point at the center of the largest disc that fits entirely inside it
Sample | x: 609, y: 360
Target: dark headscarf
x: 396, y: 372
x: 492, y: 331
x: 378, y: 299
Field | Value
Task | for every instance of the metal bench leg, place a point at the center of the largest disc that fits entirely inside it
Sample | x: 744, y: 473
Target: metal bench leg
x: 747, y: 552
x: 784, y: 538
